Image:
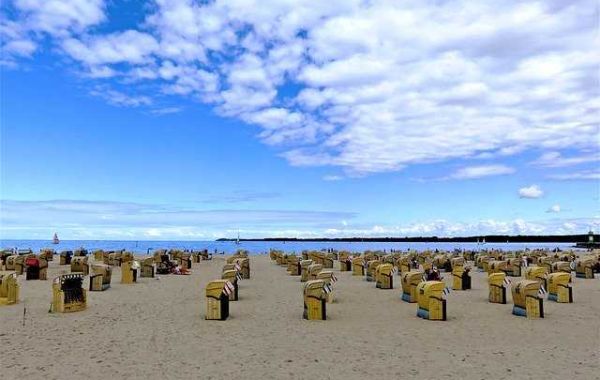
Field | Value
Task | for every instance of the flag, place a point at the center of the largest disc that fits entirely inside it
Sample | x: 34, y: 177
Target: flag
x: 333, y: 278
x: 327, y: 288
x: 507, y: 281
x: 542, y: 292
x: 446, y: 291
x: 238, y: 275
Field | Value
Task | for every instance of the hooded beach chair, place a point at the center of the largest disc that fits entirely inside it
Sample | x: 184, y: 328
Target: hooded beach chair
x: 442, y: 262
x: 513, y: 268
x: 148, y: 268
x: 527, y: 299
x: 328, y: 261
x: 498, y: 285
x: 313, y: 270
x: 410, y: 280
x: 294, y: 265
x: 304, y: 265
x: 329, y: 278
x: 20, y: 263
x: 371, y: 266
x: 98, y: 255
x: 10, y: 262
x: 384, y: 276
x: 244, y: 263
x: 232, y: 276
x: 80, y: 252
x: 536, y: 273
x: 47, y: 254
x: 584, y: 267
x: 315, y: 300
x: 430, y: 300
x: 100, y: 277
x: 461, y: 277
x: 497, y: 266
x: 68, y: 294
x: 36, y: 268
x: 217, y: 299
x: 80, y: 264
x: 559, y: 287
x: 358, y: 266
x: 9, y: 289
x: 129, y: 272
x: 547, y: 262
x: 562, y: 266
x: 404, y: 264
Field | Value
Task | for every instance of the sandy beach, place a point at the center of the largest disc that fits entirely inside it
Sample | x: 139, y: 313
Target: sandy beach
x: 156, y: 329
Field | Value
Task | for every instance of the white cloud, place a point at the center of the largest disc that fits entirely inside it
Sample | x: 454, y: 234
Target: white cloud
x: 556, y: 159
x: 61, y: 16
x: 531, y: 192
x: 76, y: 219
x: 381, y: 85
x: 332, y: 178
x: 554, y: 209
x: 472, y: 172
x: 120, y: 99
x: 582, y: 175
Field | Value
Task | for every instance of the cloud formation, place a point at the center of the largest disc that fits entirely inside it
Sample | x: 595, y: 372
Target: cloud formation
x: 473, y: 172
x: 531, y: 192
x: 433, y: 81
x: 80, y: 219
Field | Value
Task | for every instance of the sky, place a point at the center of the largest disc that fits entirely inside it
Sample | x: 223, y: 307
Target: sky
x: 193, y: 120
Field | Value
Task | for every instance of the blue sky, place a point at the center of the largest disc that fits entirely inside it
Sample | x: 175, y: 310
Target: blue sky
x: 191, y: 120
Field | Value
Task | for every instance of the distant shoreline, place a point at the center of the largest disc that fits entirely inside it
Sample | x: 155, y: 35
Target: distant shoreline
x: 581, y: 239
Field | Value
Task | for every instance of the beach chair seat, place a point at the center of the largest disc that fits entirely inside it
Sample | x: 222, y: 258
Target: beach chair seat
x: 294, y: 266
x: 232, y: 275
x: 329, y: 278
x: 315, y: 300
x: 461, y: 278
x: 584, y: 267
x: 36, y: 268
x: 527, y: 301
x: 410, y: 280
x: 47, y: 254
x: 537, y: 273
x: 79, y: 264
x: 68, y: 294
x: 559, y: 287
x: 217, y: 299
x: 370, y: 269
x: 100, y: 277
x: 404, y: 264
x: 244, y: 263
x: 9, y: 289
x: 513, y: 268
x: 497, y: 287
x: 561, y: 266
x: 384, y: 276
x: 313, y: 270
x: 20, y: 263
x: 148, y: 268
x: 430, y: 300
x: 80, y: 252
x: 129, y: 272
x: 304, y: 264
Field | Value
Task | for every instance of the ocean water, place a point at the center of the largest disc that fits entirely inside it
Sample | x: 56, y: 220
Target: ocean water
x: 260, y: 247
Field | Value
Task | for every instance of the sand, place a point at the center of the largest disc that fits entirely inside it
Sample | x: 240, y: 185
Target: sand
x: 156, y: 329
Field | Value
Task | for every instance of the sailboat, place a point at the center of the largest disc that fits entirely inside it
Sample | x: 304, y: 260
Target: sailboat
x: 237, y: 241
x: 55, y: 239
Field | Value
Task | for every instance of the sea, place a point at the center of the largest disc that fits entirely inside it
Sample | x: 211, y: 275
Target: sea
x: 263, y: 247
